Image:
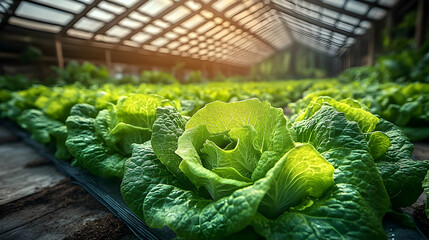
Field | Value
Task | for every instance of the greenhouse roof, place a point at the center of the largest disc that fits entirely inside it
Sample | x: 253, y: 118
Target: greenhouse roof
x: 233, y: 32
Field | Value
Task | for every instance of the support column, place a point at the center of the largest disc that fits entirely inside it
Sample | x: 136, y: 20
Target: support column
x: 371, y: 46
x: 59, y: 51
x: 348, y: 59
x: 422, y: 22
x: 292, y: 63
x: 108, y: 58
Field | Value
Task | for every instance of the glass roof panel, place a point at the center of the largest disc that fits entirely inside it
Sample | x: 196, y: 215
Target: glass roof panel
x: 345, y: 26
x: 388, y: 3
x: 193, y: 5
x: 141, y: 37
x: 235, y: 10
x: 149, y: 47
x: 222, y: 33
x: 359, y: 31
x: 151, y: 29
x: 365, y: 24
x: 192, y: 35
x: 330, y: 13
x: 183, y: 48
x: 336, y: 3
x: 356, y: 7
x: 206, y: 14
x: 193, y: 21
x: 118, y: 31
x: 184, y: 39
x: 213, y: 31
x: 177, y: 14
x: 86, y: 1
x: 37, y: 12
x: 376, y: 13
x: 161, y: 24
x: 34, y: 25
x: 171, y: 35
x: 163, y: 50
x: 87, y: 24
x: 129, y: 23
x: 131, y: 43
x: 111, y: 7
x: 79, y: 34
x: 220, y: 5
x: 328, y: 20
x: 248, y: 31
x: 67, y: 5
x: 180, y: 30
x: 107, y: 39
x: 4, y: 6
x: 159, y: 42
x: 154, y: 7
x: 139, y: 17
x: 126, y: 3
x: 350, y: 20
x: 173, y: 45
x: 101, y: 15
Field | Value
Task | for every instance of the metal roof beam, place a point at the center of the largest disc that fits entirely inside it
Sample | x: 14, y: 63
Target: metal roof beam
x: 235, y: 24
x: 312, y: 21
x: 10, y: 12
x: 77, y: 17
x: 118, y: 18
x: 373, y: 4
x: 339, y: 10
x: 153, y: 19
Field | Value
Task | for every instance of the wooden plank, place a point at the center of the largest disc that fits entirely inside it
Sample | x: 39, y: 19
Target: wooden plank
x: 17, y: 178
x: 55, y: 225
x: 65, y: 205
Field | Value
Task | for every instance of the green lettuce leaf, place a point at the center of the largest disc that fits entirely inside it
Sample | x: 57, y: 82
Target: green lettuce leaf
x: 88, y: 148
x: 402, y: 175
x: 355, y: 206
x: 194, y: 217
x: 45, y: 130
x: 225, y: 146
x: 167, y: 128
x: 102, y: 140
x: 143, y: 171
x: 353, y: 111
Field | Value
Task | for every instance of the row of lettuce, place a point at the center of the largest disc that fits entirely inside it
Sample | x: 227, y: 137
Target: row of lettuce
x: 240, y: 168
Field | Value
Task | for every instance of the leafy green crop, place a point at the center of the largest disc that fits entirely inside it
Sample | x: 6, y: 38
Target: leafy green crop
x: 45, y: 130
x: 101, y: 140
x: 230, y: 169
x: 235, y: 165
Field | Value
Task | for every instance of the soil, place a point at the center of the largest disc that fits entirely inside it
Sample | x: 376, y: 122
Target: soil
x: 107, y: 227
x: 38, y: 163
x: 421, y: 219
